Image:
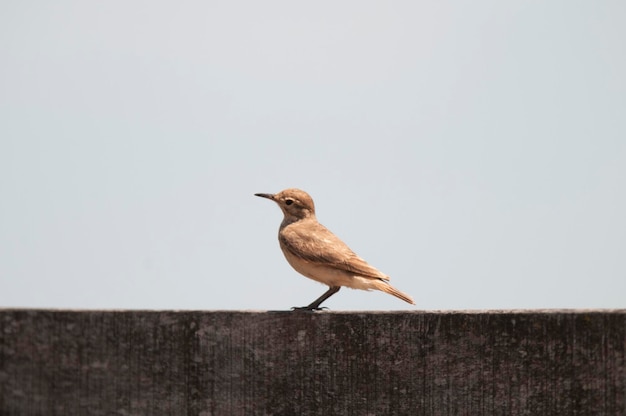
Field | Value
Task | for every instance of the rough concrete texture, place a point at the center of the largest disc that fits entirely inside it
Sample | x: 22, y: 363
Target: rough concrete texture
x: 297, y: 363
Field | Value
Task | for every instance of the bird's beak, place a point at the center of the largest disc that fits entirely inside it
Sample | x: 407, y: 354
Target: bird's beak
x: 268, y: 196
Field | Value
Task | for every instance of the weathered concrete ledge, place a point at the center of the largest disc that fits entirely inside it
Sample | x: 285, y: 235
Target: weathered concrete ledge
x: 562, y: 362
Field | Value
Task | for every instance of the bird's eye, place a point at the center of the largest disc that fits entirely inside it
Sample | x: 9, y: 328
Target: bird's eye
x: 289, y: 201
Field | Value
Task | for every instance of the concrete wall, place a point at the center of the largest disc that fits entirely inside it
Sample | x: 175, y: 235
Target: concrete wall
x: 296, y: 363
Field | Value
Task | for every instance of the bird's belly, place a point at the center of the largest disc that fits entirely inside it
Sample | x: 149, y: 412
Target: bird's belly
x: 327, y: 275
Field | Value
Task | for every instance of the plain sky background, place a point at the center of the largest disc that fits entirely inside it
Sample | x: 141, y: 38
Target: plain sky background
x: 474, y: 151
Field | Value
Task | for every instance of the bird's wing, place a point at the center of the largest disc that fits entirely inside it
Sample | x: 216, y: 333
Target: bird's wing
x: 314, y: 243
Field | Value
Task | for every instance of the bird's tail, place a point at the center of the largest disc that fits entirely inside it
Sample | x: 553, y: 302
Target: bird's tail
x: 382, y: 285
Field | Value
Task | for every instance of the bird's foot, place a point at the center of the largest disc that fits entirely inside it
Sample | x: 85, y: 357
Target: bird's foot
x: 307, y: 308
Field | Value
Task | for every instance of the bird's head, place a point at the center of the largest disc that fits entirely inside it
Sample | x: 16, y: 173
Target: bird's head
x: 295, y: 203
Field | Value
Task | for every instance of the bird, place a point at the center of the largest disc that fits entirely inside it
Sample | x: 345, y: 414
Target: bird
x: 315, y: 252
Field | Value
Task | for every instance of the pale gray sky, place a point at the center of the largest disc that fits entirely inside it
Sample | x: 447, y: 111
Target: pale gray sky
x: 474, y: 151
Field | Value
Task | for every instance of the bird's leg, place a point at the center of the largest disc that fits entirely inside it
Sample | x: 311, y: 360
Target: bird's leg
x: 315, y: 306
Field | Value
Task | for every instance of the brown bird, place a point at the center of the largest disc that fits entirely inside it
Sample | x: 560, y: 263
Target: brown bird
x: 312, y: 250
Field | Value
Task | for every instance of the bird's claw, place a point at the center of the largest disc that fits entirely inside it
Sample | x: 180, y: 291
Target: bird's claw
x: 307, y: 308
